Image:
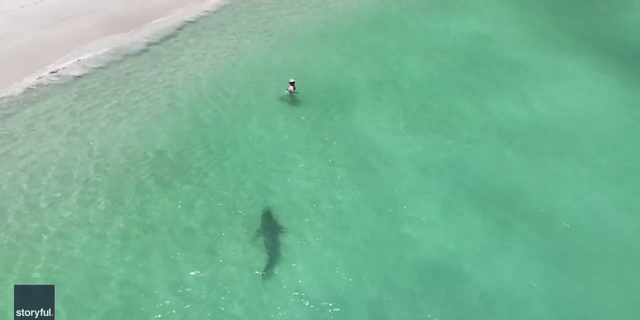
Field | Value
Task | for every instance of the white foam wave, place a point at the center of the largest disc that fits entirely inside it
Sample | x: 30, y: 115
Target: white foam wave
x: 100, y: 53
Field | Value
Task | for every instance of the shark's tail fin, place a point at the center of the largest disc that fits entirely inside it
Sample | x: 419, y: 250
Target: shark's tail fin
x: 267, y: 272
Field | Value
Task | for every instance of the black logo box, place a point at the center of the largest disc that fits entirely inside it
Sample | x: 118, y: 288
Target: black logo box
x: 34, y: 302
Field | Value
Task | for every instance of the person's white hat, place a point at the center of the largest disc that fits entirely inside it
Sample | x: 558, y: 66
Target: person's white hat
x: 291, y: 80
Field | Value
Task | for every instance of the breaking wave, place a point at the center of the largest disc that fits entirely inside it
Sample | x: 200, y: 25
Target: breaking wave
x: 100, y: 53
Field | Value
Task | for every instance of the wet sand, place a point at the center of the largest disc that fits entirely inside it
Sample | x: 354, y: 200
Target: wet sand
x: 35, y: 34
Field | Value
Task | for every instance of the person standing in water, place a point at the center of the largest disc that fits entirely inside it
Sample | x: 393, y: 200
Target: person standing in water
x: 292, y: 87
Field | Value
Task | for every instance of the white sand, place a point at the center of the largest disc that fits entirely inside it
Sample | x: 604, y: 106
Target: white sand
x: 35, y: 34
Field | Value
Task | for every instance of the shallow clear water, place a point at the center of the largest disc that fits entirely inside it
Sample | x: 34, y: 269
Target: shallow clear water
x: 442, y: 161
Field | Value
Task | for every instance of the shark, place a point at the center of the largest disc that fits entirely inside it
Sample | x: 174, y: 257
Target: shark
x: 270, y: 230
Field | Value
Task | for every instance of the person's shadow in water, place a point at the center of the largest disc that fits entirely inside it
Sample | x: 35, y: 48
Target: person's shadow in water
x: 291, y: 100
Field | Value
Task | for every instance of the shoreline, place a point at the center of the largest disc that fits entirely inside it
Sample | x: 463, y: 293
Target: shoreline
x: 45, y: 41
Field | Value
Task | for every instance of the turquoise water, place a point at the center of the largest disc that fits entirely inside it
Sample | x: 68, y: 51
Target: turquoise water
x: 457, y: 160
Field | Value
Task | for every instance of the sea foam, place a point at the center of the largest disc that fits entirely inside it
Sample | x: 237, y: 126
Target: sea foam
x: 100, y: 53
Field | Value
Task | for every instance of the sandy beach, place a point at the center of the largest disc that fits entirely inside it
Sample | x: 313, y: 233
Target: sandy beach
x: 35, y: 34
